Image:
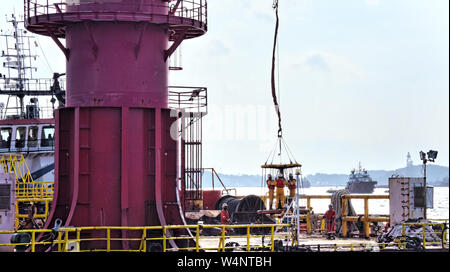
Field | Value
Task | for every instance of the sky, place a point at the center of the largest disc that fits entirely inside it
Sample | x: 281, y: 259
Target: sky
x: 359, y: 81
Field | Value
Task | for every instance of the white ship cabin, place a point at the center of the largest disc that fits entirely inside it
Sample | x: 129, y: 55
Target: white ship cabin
x: 25, y: 137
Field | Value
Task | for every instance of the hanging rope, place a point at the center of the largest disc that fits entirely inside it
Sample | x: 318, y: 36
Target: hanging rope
x: 280, y: 143
x: 274, y: 92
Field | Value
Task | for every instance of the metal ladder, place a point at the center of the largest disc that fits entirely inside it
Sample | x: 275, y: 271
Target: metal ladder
x: 294, y: 217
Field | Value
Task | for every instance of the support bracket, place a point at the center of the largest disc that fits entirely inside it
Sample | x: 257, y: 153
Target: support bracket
x: 176, y: 43
x: 65, y: 50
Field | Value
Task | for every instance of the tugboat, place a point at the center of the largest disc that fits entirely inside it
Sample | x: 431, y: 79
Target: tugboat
x: 360, y: 182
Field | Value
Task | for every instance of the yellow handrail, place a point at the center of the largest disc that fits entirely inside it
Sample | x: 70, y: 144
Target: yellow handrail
x: 15, y: 164
x: 68, y: 235
x: 424, y: 232
x: 27, y: 191
x: 64, y: 233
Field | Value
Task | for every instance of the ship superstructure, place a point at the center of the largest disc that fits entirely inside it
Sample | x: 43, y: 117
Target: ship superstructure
x: 27, y: 102
x: 360, y: 182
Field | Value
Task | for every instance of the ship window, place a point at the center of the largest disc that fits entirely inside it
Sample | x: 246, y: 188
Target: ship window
x: 20, y: 137
x: 5, y: 137
x: 32, y: 136
x: 48, y: 134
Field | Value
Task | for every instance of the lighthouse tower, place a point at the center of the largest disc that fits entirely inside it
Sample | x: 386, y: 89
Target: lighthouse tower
x: 409, y: 162
x: 115, y: 158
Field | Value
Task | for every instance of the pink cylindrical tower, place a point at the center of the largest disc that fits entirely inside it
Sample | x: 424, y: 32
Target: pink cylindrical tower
x: 115, y: 160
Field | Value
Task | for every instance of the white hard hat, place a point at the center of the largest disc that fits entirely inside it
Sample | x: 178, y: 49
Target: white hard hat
x: 224, y: 205
x: 280, y: 175
x: 269, y: 175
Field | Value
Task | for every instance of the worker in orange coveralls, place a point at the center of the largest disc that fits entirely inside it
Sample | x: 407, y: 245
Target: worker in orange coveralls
x: 292, y: 185
x: 280, y: 182
x: 330, y: 216
x: 271, y: 185
x: 224, y: 215
x: 224, y: 220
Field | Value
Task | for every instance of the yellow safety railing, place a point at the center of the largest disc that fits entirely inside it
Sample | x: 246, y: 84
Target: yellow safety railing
x: 77, y: 235
x: 401, y: 242
x: 34, y: 190
x: 29, y: 194
x: 27, y: 191
x: 308, y: 208
x: 398, y: 243
x: 20, y: 217
x: 106, y: 239
x: 15, y: 164
x: 442, y: 233
x: 366, y: 219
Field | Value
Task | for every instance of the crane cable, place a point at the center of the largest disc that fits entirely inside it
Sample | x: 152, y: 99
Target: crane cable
x: 274, y: 94
x: 275, y: 58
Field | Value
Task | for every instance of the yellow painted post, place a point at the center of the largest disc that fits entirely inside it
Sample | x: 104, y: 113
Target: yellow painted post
x: 444, y: 235
x: 33, y: 240
x: 308, y: 215
x: 144, y: 240
x: 248, y: 238
x: 224, y: 237
x: 46, y: 209
x: 344, y: 214
x: 164, y: 239
x: 59, y: 241
x: 197, y: 237
x: 108, y: 240
x: 424, y: 236
x: 272, y: 237
x: 351, y: 247
x: 66, y: 240
x: 223, y: 240
x: 366, y: 217
x: 79, y: 238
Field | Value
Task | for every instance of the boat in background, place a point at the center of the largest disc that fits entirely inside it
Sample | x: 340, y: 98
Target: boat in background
x: 360, y: 182
x: 27, y: 103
